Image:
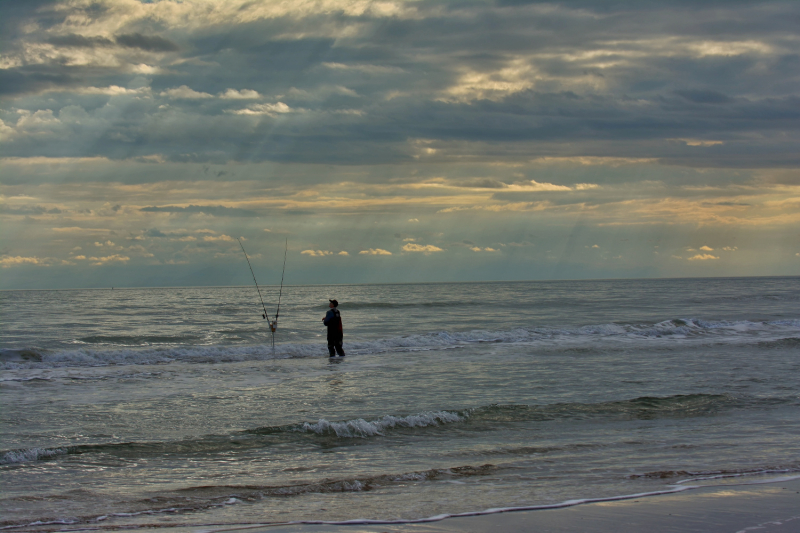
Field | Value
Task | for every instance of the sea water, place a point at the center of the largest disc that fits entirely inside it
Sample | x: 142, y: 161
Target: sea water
x: 159, y: 407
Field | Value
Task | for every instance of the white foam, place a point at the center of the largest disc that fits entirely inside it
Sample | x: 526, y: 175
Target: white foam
x: 362, y: 428
x: 30, y: 454
x: 560, y: 505
x: 665, y: 332
x: 745, y: 474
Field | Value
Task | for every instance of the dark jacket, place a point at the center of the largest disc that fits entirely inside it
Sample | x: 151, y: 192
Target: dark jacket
x: 334, y: 322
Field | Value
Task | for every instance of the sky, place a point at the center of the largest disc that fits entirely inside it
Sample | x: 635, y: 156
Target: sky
x: 396, y: 141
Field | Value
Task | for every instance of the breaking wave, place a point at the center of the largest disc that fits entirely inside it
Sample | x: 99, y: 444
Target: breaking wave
x: 135, y: 350
x: 480, y: 419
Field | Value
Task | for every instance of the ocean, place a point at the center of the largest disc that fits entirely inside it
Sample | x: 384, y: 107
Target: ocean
x: 171, y: 408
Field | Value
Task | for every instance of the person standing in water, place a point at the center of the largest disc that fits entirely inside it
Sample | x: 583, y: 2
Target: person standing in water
x: 335, y: 334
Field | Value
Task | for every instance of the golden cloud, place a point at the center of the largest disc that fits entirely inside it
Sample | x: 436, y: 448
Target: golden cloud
x: 212, y: 238
x: 427, y: 248
x: 109, y: 259
x: 19, y: 260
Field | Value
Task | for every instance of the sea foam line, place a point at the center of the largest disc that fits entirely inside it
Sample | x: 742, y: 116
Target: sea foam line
x: 498, y: 510
x: 669, y: 329
x: 364, y: 521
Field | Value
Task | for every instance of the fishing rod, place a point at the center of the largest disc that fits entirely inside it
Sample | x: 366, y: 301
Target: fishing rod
x: 280, y: 293
x: 264, y: 307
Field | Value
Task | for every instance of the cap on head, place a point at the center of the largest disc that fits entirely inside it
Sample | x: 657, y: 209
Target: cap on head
x: 334, y: 302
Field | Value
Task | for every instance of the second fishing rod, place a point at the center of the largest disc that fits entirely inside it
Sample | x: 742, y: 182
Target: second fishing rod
x: 273, y: 324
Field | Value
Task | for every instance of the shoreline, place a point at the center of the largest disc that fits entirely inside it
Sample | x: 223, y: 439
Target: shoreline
x: 771, y: 506
x: 768, y: 506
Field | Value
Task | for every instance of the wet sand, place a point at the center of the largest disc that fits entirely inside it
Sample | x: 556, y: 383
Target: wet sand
x: 757, y: 508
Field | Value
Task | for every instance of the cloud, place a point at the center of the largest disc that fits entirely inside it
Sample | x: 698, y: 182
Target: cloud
x: 698, y: 142
x: 474, y: 89
x: 368, y: 68
x: 264, y: 109
x: 34, y: 210
x: 83, y: 231
x: 150, y: 43
x: 153, y: 232
x: 79, y: 41
x: 5, y: 131
x: 218, y: 238
x: 704, y: 96
x: 483, y: 183
x: 141, y: 249
x: 706, y: 248
x: 702, y: 257
x: 316, y: 253
x: 214, y: 210
x: 114, y: 90
x: 343, y: 253
x: 427, y: 248
x: 244, y: 94
x: 98, y: 261
x: 524, y: 121
x: 730, y: 248
x: 9, y: 261
x: 185, y: 92
x: 375, y: 251
x: 477, y: 249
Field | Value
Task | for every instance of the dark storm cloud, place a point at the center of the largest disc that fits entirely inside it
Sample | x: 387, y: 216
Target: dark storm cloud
x: 15, y: 12
x: 611, y: 79
x: 704, y: 97
x: 28, y: 210
x: 606, y: 126
x: 482, y: 183
x: 151, y: 43
x: 79, y: 41
x: 25, y: 80
x: 271, y: 66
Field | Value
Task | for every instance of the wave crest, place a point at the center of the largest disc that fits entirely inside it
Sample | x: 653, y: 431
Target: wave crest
x: 780, y: 332
x: 362, y: 428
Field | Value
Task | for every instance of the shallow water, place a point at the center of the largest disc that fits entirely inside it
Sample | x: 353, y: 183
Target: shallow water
x: 170, y: 405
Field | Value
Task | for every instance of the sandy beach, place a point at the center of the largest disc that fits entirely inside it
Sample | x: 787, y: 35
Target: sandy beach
x: 762, y: 508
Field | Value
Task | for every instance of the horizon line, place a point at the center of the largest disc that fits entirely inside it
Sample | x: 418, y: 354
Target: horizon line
x: 403, y: 283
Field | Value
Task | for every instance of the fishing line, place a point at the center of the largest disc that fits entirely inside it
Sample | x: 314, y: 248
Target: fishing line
x: 278, y: 312
x: 265, y: 315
